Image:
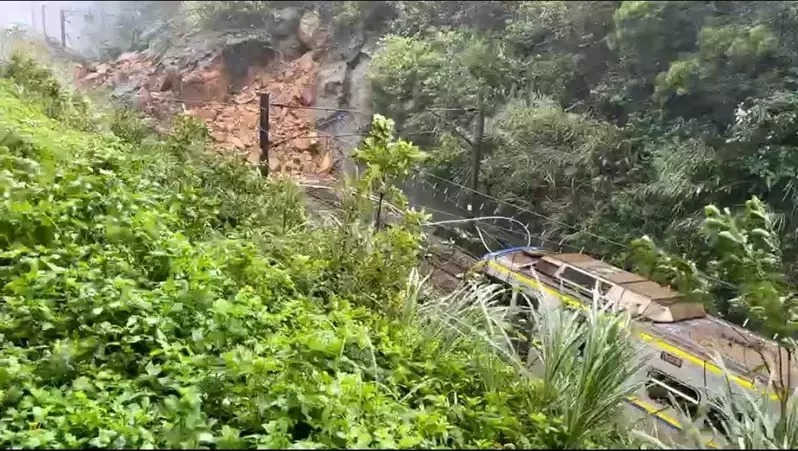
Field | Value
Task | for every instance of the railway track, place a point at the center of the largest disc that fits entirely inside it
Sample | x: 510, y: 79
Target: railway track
x: 445, y: 263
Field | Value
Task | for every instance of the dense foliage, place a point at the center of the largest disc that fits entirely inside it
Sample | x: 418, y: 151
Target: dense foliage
x: 155, y: 294
x: 613, y: 119
x: 616, y: 120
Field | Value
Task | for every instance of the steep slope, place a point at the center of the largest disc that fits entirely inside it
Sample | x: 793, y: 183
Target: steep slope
x: 139, y: 310
x: 217, y: 77
x: 221, y: 89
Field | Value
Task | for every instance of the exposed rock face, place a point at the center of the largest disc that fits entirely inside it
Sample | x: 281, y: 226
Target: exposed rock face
x: 230, y: 109
x: 286, y: 22
x: 310, y: 31
x: 343, y: 83
x: 143, y: 99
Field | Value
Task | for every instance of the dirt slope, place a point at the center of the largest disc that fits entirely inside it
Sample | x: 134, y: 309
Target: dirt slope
x: 221, y: 87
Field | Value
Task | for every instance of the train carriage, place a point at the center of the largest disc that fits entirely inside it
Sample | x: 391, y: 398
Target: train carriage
x: 679, y: 335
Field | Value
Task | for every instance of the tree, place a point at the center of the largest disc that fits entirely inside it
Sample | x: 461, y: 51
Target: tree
x: 749, y: 258
x: 387, y: 161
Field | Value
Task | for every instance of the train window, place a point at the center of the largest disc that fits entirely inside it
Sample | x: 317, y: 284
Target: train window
x: 546, y: 268
x: 604, y: 290
x: 666, y: 390
x: 717, y: 418
x: 578, y: 278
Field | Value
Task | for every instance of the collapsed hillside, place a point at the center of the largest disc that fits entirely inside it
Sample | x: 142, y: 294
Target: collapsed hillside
x: 217, y: 77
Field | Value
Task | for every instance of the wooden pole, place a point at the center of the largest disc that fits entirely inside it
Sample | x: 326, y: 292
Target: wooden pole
x: 476, y: 148
x: 377, y: 221
x: 62, y: 18
x: 32, y: 17
x: 44, y: 22
x: 265, y: 102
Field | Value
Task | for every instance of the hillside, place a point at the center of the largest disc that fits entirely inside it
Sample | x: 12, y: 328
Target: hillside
x: 611, y: 126
x: 217, y: 76
x: 158, y: 294
x: 232, y: 118
x: 158, y: 291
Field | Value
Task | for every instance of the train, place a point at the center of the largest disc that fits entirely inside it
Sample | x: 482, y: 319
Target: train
x: 679, y: 337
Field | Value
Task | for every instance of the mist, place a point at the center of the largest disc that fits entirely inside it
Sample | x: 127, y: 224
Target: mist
x: 43, y: 18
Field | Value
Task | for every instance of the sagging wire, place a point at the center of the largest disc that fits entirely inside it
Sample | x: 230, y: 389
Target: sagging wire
x: 479, y: 231
x: 397, y: 210
x: 482, y: 239
x: 485, y: 218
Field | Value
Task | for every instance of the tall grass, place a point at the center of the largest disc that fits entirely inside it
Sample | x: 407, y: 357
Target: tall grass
x: 472, y: 312
x: 746, y: 422
x: 589, y: 363
x: 583, y: 390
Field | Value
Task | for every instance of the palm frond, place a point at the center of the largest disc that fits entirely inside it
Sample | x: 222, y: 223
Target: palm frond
x: 588, y: 366
x: 744, y: 422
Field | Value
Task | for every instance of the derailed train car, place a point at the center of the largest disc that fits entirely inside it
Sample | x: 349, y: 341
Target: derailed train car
x: 679, y: 336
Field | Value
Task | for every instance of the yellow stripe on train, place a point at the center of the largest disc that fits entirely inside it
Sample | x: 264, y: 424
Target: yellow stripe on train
x: 661, y: 344
x: 656, y: 412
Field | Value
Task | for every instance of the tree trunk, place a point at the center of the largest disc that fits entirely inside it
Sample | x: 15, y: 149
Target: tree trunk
x: 379, y: 212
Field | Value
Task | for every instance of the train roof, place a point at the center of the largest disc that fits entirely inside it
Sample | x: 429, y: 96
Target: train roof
x: 635, y: 283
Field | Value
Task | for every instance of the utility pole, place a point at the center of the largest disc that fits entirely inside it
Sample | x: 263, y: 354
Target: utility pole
x: 32, y: 17
x: 44, y: 22
x: 263, y: 135
x: 62, y: 18
x: 476, y: 148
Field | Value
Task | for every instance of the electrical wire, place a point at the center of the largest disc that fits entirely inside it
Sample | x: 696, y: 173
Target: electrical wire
x: 303, y: 107
x: 539, y: 215
x: 483, y: 218
x: 396, y: 209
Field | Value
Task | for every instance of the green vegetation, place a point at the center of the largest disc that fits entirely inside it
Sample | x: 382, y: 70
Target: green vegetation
x: 159, y: 295
x: 155, y: 293
x: 626, y: 122
x: 613, y: 119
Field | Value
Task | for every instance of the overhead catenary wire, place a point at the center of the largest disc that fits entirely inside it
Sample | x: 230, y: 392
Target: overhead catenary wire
x: 325, y: 136
x: 534, y: 213
x: 314, y: 108
x: 298, y: 135
x: 485, y: 218
x: 208, y: 102
x: 514, y: 233
x: 367, y: 113
x: 396, y: 209
x: 554, y: 221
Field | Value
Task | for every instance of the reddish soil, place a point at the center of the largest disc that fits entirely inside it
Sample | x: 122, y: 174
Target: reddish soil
x: 231, y: 117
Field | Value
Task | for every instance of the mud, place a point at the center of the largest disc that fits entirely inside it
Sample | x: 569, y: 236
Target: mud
x: 223, y: 91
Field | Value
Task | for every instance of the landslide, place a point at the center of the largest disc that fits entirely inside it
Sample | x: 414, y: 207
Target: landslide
x: 217, y: 76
